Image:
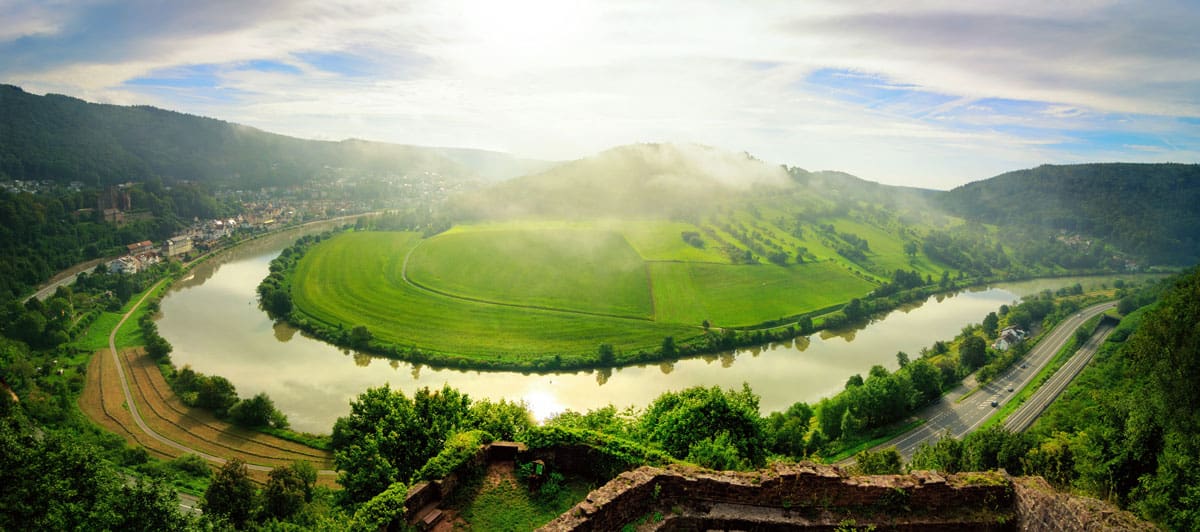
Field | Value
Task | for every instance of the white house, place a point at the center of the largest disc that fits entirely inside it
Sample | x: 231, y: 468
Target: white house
x: 1009, y: 337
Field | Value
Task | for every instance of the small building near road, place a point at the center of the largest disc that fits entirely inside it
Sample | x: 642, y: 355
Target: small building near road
x: 126, y: 264
x: 1009, y: 337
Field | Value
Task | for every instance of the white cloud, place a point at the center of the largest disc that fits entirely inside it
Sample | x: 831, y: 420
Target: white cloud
x: 563, y: 78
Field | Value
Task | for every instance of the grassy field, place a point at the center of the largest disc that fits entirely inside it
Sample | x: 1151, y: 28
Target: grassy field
x: 499, y: 501
x: 663, y: 241
x: 96, y: 335
x: 887, y: 251
x: 571, y: 269
x: 740, y: 295
x: 532, y: 290
x: 356, y: 279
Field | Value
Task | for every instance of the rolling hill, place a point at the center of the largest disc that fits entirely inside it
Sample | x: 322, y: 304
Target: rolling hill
x: 1149, y: 210
x: 60, y: 138
x: 640, y: 180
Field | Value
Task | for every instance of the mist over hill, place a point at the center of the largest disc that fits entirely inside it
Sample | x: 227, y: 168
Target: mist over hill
x: 1152, y: 210
x: 60, y: 138
x: 632, y: 180
x: 672, y: 181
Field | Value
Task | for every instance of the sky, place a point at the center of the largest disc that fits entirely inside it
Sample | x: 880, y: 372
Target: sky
x: 922, y: 93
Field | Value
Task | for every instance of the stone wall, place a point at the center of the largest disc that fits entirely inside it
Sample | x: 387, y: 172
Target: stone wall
x: 424, y: 493
x: 790, y: 496
x: 1040, y: 507
x: 806, y: 495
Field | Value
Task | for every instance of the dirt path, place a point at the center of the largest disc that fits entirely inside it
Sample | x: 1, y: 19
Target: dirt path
x: 166, y: 427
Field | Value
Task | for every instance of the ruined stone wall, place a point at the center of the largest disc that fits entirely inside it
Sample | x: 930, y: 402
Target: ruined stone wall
x: 800, y: 495
x: 1040, y: 507
x: 805, y: 495
x: 424, y: 493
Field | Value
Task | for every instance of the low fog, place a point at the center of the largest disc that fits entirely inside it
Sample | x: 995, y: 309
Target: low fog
x: 639, y: 180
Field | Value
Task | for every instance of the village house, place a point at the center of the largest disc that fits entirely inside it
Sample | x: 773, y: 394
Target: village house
x: 127, y: 265
x: 1009, y: 337
x: 138, y: 248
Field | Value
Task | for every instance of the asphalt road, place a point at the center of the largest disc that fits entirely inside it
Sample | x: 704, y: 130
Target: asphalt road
x: 960, y: 418
x: 63, y: 278
x: 1033, y: 407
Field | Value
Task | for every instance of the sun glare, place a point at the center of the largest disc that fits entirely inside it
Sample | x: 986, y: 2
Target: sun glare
x: 524, y: 30
x: 542, y: 404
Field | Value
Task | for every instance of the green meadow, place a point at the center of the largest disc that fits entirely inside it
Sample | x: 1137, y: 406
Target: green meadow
x: 739, y: 295
x: 357, y: 279
x: 536, y: 290
x: 570, y: 269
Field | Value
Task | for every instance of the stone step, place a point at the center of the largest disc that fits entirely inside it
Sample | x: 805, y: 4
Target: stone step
x: 428, y: 516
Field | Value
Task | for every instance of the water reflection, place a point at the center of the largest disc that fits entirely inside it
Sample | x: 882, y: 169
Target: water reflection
x: 284, y: 332
x: 215, y: 325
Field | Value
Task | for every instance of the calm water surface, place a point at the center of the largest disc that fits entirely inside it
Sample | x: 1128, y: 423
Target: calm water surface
x: 213, y: 321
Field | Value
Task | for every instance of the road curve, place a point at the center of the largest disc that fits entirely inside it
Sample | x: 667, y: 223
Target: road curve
x: 133, y: 408
x: 950, y: 416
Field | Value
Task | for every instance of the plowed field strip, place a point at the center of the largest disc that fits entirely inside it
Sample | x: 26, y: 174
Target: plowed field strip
x: 110, y: 402
x: 154, y: 389
x: 102, y: 402
x: 198, y: 435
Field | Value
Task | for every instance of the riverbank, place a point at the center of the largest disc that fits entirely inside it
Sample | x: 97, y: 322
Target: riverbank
x: 312, y: 381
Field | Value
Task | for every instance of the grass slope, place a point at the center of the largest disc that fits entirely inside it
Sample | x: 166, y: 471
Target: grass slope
x: 663, y: 241
x: 571, y: 269
x: 742, y: 295
x: 356, y: 279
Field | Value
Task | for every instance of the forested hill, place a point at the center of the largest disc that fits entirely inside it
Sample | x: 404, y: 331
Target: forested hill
x: 60, y: 138
x: 1151, y: 210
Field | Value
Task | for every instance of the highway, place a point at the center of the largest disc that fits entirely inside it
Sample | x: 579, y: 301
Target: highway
x: 1033, y: 407
x: 958, y: 419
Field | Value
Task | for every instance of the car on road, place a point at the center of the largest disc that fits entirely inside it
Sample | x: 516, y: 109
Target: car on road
x: 1010, y: 388
x: 995, y: 404
x: 1023, y: 366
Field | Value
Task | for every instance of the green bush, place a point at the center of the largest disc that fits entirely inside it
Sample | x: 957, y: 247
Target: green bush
x: 460, y: 449
x: 611, y: 455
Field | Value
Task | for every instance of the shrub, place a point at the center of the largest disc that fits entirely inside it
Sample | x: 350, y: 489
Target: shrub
x: 459, y: 450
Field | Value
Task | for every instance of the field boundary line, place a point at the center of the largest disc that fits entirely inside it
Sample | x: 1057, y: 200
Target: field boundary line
x: 436, y: 292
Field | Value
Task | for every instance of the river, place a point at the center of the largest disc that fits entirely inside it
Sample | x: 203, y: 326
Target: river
x: 212, y: 319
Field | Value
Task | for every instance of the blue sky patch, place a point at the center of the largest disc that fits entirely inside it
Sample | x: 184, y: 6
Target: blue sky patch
x: 267, y: 65
x: 338, y: 63
x: 874, y: 91
x: 193, y: 76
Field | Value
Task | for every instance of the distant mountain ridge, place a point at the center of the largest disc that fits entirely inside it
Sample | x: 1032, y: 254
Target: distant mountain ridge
x: 1151, y: 210
x: 62, y: 138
